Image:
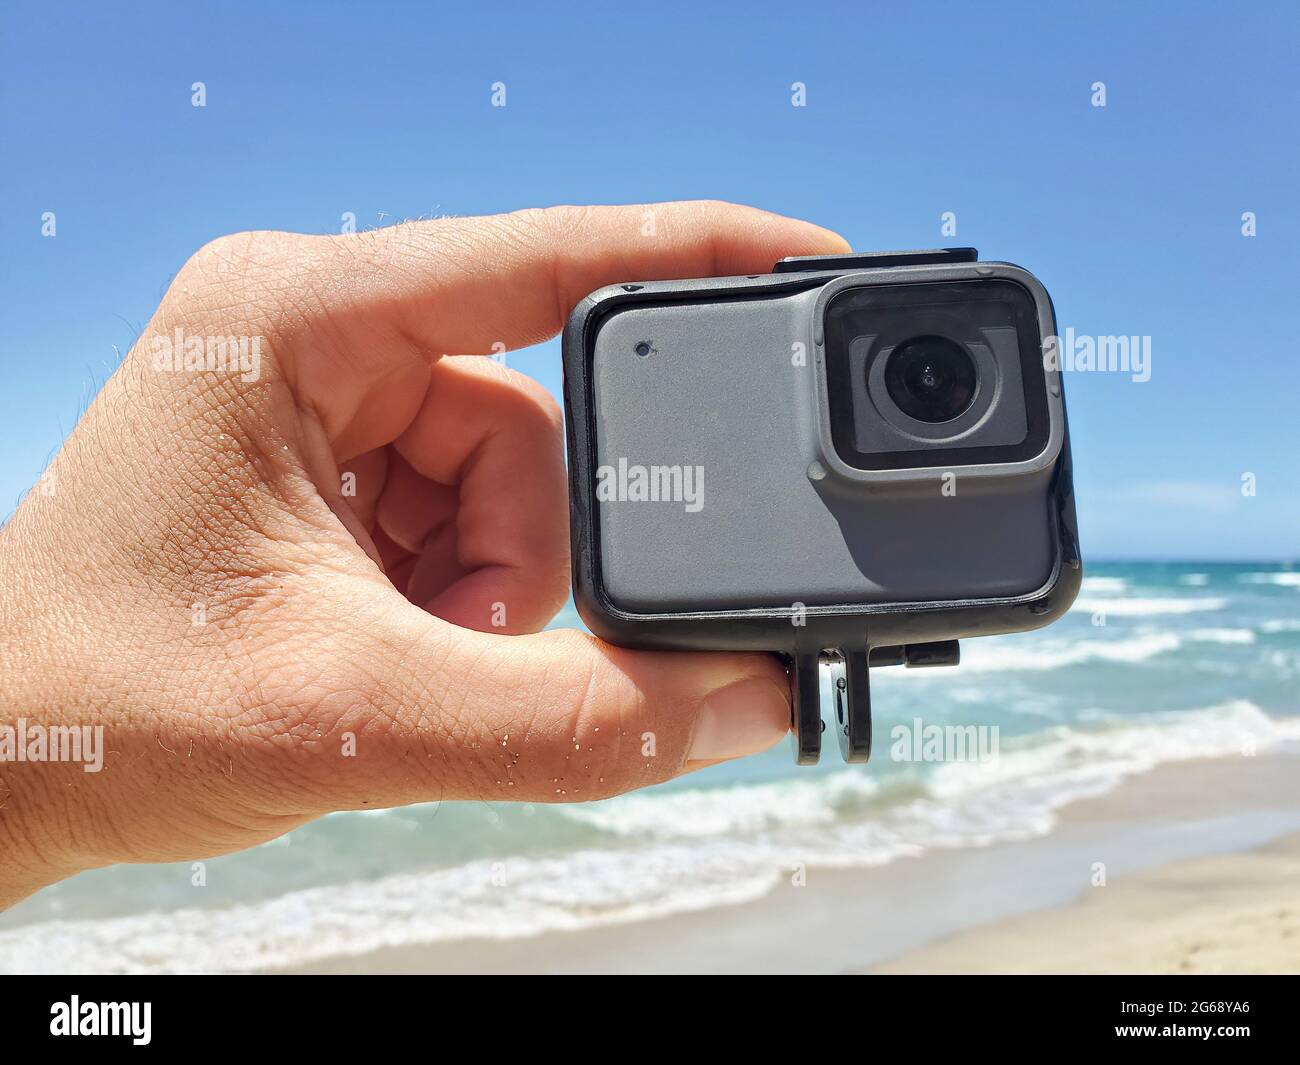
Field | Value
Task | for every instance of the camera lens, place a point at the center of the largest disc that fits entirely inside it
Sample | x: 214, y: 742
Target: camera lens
x: 931, y: 378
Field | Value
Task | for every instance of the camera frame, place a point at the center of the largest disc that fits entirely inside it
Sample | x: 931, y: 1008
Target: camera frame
x: 993, y: 326
x: 979, y: 472
x: 920, y: 633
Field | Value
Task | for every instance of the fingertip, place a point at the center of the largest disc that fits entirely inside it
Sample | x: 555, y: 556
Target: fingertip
x: 828, y: 241
x: 755, y: 238
x: 812, y: 239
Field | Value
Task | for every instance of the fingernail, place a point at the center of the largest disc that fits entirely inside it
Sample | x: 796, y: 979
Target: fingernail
x: 742, y: 718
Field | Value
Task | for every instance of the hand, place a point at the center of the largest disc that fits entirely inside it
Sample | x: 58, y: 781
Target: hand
x: 315, y: 580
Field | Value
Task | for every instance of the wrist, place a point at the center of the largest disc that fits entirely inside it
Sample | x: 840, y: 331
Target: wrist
x: 35, y: 848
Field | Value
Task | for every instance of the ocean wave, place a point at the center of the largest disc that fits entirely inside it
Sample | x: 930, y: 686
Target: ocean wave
x: 998, y: 656
x: 1116, y: 747
x: 1194, y: 580
x: 1280, y: 625
x: 1145, y: 607
x: 1104, y: 585
x: 993, y: 656
x: 695, y: 851
x: 1286, y: 578
x: 1229, y: 636
x: 497, y: 900
x: 745, y: 808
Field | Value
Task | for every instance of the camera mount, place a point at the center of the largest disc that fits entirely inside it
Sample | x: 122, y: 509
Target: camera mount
x: 850, y: 700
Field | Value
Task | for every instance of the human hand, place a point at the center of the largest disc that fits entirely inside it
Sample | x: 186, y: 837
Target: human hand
x: 315, y: 581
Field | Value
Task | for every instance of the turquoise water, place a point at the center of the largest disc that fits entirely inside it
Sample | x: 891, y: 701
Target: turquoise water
x: 1156, y: 663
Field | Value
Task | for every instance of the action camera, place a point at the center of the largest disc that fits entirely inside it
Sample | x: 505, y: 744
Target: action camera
x: 854, y: 461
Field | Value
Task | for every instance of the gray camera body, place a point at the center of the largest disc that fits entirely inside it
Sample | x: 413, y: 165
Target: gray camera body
x: 854, y: 461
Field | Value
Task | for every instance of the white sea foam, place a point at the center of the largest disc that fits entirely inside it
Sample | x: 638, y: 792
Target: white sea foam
x: 584, y: 889
x: 1286, y: 578
x: 695, y: 850
x: 746, y: 808
x: 994, y: 656
x: 1280, y: 625
x: 1104, y: 585
x: 1228, y: 636
x: 1145, y: 607
x: 1071, y: 758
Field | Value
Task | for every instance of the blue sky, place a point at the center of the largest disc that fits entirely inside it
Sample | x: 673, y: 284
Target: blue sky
x: 1131, y: 214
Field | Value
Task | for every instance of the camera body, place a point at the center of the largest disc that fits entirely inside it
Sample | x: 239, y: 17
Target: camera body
x: 854, y: 460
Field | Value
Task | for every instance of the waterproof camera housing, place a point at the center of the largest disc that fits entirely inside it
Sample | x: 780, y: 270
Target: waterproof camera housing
x: 854, y: 461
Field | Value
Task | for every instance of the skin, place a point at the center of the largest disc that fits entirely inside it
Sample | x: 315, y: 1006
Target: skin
x: 342, y: 654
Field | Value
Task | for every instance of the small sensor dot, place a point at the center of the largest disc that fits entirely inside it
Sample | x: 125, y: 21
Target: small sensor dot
x: 643, y: 349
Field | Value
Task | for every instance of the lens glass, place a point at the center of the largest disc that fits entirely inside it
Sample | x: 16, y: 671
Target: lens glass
x: 931, y: 378
x: 934, y: 374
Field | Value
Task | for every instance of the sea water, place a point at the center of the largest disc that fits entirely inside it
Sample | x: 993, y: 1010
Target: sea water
x: 1156, y: 663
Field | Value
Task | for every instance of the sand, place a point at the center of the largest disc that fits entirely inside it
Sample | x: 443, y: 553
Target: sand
x: 1202, y: 874
x: 1237, y: 913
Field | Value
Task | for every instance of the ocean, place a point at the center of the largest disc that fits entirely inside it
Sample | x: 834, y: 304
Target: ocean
x: 1156, y: 663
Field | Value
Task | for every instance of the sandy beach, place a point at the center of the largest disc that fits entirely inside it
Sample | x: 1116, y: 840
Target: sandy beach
x: 1237, y: 913
x: 1202, y: 874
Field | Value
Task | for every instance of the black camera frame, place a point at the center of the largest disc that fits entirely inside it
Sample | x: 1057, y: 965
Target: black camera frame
x: 915, y: 634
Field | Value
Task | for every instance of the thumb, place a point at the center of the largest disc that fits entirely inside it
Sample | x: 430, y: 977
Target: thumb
x: 554, y: 717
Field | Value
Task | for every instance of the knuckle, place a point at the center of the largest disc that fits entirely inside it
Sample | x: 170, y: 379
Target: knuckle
x: 227, y: 256
x: 233, y: 274
x: 556, y: 225
x: 527, y: 403
x: 537, y: 405
x: 714, y: 208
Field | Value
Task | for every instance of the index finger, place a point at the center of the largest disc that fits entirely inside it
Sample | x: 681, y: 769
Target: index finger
x: 357, y: 319
x: 512, y: 279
